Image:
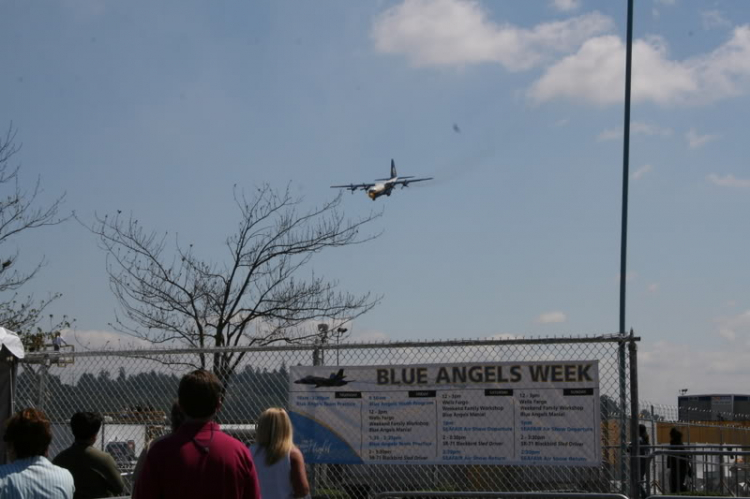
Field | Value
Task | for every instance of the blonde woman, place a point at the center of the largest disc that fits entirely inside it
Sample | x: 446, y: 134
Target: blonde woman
x: 278, y: 462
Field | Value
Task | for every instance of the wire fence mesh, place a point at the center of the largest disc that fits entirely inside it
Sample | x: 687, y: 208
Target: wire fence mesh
x: 715, y: 453
x: 135, y: 389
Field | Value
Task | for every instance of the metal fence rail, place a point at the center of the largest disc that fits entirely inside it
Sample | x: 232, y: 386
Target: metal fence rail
x: 135, y: 388
x: 488, y: 495
x: 715, y: 445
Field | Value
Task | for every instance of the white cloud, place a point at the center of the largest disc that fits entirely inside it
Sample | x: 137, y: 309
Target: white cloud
x: 636, y: 127
x: 653, y: 287
x: 695, y: 140
x: 734, y: 326
x: 610, y: 134
x: 700, y: 369
x: 640, y: 172
x: 103, y: 340
x: 369, y: 336
x: 729, y: 181
x: 714, y: 19
x: 596, y: 73
x: 566, y: 5
x: 551, y: 318
x: 459, y: 32
x: 649, y: 129
x: 728, y: 334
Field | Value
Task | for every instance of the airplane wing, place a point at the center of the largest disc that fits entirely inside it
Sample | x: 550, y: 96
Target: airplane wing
x: 406, y: 182
x: 353, y: 187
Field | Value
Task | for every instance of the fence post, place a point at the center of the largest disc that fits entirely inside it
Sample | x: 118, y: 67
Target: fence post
x: 43, y: 384
x: 652, y: 473
x: 317, y: 360
x: 635, y: 452
x: 622, y: 471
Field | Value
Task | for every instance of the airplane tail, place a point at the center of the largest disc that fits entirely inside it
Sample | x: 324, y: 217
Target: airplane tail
x: 340, y: 374
x: 393, y: 172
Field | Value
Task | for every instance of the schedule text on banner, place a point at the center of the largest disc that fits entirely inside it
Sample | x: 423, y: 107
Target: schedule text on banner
x: 519, y: 413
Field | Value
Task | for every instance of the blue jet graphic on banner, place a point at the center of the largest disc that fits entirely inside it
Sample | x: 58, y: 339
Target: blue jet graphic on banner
x: 335, y: 379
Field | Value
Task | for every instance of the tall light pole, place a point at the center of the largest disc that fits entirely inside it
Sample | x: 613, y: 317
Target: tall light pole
x: 320, y: 342
x: 339, y: 333
x: 623, y: 268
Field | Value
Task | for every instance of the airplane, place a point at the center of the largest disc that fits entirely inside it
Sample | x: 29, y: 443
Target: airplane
x: 382, y: 185
x: 335, y: 379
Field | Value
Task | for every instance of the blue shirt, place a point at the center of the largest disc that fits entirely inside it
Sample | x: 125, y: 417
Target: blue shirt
x: 35, y: 478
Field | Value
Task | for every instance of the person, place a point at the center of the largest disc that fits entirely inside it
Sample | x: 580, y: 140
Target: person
x: 95, y: 472
x: 643, y: 451
x: 30, y: 474
x: 281, y: 466
x: 57, y: 342
x: 678, y: 464
x: 199, y: 460
x: 176, y: 418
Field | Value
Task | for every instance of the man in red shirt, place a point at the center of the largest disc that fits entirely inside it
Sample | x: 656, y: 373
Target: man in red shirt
x: 198, y: 460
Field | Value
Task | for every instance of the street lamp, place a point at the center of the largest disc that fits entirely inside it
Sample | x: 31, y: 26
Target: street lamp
x: 320, y: 341
x: 339, y: 333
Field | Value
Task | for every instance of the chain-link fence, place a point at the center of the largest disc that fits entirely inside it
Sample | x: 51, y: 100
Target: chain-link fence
x: 135, y: 389
x: 713, y: 459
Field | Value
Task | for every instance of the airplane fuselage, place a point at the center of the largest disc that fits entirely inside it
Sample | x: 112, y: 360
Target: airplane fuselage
x: 380, y: 189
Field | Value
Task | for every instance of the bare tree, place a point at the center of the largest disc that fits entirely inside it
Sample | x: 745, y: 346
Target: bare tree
x: 20, y: 211
x: 257, y: 296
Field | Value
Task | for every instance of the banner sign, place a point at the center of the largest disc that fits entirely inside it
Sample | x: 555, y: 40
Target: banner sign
x: 538, y: 413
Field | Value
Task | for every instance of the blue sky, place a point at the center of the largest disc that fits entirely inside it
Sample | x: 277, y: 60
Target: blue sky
x: 159, y: 109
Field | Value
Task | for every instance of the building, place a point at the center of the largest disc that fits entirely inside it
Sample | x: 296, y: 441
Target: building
x: 714, y: 407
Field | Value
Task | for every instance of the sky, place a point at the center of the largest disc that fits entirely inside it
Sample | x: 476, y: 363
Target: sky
x: 516, y: 109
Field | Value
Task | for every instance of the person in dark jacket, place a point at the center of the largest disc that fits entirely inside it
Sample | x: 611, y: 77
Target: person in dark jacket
x: 678, y: 464
x: 95, y: 472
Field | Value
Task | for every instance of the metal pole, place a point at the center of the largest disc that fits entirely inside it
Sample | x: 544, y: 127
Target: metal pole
x: 635, y: 452
x: 43, y: 384
x: 624, y: 233
x: 721, y: 461
x: 626, y: 166
x: 314, y: 467
x: 652, y: 471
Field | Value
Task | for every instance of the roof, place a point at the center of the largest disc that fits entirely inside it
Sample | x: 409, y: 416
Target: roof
x: 12, y: 342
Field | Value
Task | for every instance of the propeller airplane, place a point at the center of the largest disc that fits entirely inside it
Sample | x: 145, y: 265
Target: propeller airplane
x: 383, y: 186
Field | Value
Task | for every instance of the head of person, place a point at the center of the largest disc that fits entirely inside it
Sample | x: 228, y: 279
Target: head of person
x: 675, y: 436
x: 176, y: 416
x: 27, y: 434
x: 200, y: 394
x: 85, y: 425
x: 274, y: 434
